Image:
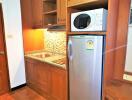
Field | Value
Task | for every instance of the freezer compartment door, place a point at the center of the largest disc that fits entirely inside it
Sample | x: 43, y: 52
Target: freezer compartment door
x: 85, y: 67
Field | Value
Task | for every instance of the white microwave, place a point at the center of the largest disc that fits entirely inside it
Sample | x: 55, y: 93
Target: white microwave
x: 92, y: 20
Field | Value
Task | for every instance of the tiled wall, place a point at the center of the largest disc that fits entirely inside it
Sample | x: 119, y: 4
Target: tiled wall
x: 55, y: 41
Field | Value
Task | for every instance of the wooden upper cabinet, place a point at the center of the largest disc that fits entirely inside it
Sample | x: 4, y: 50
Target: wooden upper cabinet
x: 50, y: 13
x: 37, y: 13
x: 80, y: 2
x: 61, y: 12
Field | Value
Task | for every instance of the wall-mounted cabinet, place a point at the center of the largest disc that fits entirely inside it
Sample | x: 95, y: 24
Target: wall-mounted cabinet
x: 37, y: 11
x: 61, y: 12
x: 47, y: 13
x: 4, y: 86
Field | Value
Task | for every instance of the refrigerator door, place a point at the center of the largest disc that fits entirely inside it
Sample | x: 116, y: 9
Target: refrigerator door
x: 85, y: 67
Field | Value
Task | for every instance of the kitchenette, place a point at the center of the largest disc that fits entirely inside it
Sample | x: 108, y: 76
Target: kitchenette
x: 65, y: 50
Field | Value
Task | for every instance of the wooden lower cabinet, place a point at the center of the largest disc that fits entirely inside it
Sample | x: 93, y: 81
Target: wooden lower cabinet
x: 4, y: 86
x: 43, y: 77
x: 46, y: 79
x: 30, y: 71
x: 58, y: 84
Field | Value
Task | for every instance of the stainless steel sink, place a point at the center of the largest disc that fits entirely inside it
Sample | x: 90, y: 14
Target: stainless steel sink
x: 61, y: 61
x: 41, y: 55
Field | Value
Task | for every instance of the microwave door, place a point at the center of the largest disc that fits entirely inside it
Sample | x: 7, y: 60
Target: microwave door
x: 82, y: 21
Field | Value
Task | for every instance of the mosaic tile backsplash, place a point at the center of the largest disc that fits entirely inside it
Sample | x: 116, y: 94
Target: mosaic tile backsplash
x: 55, y: 41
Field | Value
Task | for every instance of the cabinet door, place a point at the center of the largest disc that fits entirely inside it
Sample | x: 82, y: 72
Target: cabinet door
x: 58, y: 84
x: 61, y: 12
x: 37, y: 13
x: 31, y: 73
x: 43, y: 77
x: 4, y: 86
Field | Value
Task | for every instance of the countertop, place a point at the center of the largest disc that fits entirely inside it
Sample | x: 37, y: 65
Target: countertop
x: 49, y: 60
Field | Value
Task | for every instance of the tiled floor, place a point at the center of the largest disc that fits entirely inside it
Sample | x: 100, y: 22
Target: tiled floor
x: 24, y: 93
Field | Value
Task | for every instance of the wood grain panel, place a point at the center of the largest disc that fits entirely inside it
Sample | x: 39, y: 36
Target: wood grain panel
x: 4, y: 79
x: 111, y: 39
x: 121, y: 40
x: 61, y: 12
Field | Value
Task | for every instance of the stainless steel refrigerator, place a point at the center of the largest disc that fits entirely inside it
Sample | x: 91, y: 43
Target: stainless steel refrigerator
x: 85, y: 67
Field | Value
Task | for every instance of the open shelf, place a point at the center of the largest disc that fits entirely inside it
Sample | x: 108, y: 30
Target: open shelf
x: 49, y: 13
x: 50, y: 19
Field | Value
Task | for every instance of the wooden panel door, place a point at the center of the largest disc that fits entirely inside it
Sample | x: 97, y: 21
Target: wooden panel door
x: 61, y: 12
x: 4, y: 86
x: 4, y: 81
x: 37, y: 13
x: 43, y: 77
x: 58, y: 84
x: 30, y: 72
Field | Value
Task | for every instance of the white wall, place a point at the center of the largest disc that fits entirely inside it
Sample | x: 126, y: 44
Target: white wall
x: 128, y: 66
x: 14, y: 42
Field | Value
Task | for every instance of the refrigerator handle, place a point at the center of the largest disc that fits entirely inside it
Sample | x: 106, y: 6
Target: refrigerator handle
x: 70, y: 50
